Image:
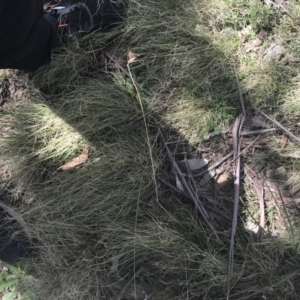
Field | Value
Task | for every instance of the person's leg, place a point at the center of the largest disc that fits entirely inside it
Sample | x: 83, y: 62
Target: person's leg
x: 41, y: 53
x: 26, y: 36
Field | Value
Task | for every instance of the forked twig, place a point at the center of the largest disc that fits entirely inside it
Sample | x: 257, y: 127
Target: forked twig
x: 193, y: 195
x: 279, y: 126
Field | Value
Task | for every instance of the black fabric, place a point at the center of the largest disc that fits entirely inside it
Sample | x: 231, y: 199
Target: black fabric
x: 25, y: 35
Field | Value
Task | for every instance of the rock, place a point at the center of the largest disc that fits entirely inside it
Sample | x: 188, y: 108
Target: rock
x: 274, y: 52
x: 252, y: 227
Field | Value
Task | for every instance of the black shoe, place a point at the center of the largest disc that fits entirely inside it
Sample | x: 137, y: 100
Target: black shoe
x: 77, y: 18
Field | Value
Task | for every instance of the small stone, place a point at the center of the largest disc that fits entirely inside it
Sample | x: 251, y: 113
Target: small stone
x: 274, y: 52
x: 225, y: 181
x: 252, y: 227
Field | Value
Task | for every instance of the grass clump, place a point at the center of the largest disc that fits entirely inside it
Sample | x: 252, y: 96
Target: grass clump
x: 93, y: 226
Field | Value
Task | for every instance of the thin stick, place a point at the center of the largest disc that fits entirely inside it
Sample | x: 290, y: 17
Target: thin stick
x: 244, y: 150
x: 258, y: 131
x: 180, y: 192
x: 193, y: 195
x: 279, y: 126
x: 174, y: 188
x: 221, y: 161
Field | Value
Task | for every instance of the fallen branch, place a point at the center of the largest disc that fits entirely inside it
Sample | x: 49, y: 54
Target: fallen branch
x: 236, y: 150
x: 279, y: 126
x: 236, y: 133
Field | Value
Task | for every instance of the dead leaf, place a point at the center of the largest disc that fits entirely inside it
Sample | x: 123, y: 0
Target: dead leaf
x: 196, y: 163
x: 131, y: 57
x: 178, y: 183
x: 82, y: 158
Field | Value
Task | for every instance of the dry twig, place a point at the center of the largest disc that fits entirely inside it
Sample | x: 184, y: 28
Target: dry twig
x: 279, y: 126
x: 221, y: 161
x: 189, y: 190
